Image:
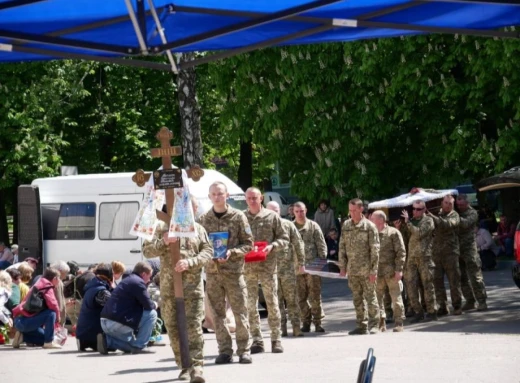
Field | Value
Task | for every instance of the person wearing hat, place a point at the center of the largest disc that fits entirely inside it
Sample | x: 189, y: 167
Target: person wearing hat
x: 96, y: 294
x: 6, y: 256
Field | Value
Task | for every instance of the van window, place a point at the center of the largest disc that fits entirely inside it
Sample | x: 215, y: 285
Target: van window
x: 116, y: 219
x: 69, y: 221
x: 237, y: 201
x: 284, y: 201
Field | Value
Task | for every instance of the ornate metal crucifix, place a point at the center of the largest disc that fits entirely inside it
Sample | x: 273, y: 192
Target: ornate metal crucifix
x: 168, y: 179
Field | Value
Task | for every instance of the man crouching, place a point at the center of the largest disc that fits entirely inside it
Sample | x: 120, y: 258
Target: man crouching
x: 195, y: 253
x: 129, y: 315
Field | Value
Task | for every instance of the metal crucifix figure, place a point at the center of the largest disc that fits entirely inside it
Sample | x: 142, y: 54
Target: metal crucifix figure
x: 168, y: 179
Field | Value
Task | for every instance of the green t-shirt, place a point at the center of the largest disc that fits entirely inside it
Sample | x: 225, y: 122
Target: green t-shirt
x: 14, y: 300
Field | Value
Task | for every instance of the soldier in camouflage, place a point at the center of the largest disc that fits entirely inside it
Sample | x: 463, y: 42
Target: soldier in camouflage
x: 446, y: 257
x: 358, y: 259
x: 392, y: 255
x: 419, y: 267
x: 195, y: 253
x: 290, y: 260
x: 472, y: 280
x: 309, y: 286
x: 225, y: 277
x: 266, y: 227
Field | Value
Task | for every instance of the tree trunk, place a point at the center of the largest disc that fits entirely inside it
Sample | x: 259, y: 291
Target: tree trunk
x: 245, y: 169
x: 191, y: 138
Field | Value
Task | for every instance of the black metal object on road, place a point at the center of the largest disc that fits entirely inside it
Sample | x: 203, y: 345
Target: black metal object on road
x: 367, y: 367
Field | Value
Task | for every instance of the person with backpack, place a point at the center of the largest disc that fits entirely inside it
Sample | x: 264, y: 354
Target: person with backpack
x: 37, y: 314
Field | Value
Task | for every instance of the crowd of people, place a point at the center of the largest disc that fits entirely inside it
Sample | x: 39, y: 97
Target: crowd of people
x: 110, y: 309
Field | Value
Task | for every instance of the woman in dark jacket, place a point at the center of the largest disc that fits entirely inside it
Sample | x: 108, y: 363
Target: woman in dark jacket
x: 96, y: 294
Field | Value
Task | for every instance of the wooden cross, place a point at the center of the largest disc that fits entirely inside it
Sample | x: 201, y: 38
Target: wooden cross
x: 166, y: 152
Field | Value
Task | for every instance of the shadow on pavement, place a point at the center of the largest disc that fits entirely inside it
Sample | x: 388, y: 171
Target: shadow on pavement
x: 502, y: 317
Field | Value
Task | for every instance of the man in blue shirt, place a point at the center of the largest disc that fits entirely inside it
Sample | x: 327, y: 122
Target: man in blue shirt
x: 129, y: 315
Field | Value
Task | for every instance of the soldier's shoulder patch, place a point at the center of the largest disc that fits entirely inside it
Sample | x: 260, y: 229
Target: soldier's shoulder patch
x: 248, y: 230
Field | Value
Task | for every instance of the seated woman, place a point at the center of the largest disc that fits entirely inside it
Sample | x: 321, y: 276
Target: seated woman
x: 15, y: 299
x: 5, y: 294
x: 27, y: 272
x: 96, y: 294
x: 486, y: 246
x: 38, y: 327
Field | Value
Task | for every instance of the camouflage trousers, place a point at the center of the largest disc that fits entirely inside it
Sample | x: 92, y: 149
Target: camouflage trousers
x: 194, y: 317
x: 288, y: 296
x: 233, y: 286
x: 363, y: 295
x: 447, y: 264
x: 472, y: 280
x: 392, y: 287
x: 309, y: 299
x: 418, y: 275
x: 269, y: 284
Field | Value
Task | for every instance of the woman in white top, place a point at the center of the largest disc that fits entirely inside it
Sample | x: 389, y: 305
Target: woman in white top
x: 486, y: 247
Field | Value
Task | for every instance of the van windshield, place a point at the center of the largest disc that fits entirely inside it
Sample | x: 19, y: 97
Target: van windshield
x: 237, y: 201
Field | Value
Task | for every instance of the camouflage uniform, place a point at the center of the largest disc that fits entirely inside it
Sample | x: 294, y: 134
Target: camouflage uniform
x: 359, y: 255
x: 227, y: 279
x: 472, y: 280
x: 309, y: 286
x: 198, y: 251
x: 446, y: 258
x: 392, y: 255
x: 420, y: 267
x: 288, y: 258
x: 266, y: 227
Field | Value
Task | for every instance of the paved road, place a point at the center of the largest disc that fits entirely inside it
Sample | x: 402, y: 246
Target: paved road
x: 474, y: 347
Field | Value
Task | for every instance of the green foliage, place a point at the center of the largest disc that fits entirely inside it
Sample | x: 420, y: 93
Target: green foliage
x: 370, y: 118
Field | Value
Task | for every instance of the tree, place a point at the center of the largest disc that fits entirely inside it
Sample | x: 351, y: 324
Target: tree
x: 370, y: 118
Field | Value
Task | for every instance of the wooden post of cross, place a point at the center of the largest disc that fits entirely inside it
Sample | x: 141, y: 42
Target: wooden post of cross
x: 168, y: 179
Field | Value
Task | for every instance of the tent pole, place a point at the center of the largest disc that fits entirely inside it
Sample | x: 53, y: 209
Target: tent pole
x: 160, y: 30
x: 137, y: 29
x: 82, y: 56
x: 17, y: 3
x: 264, y: 44
x: 248, y: 24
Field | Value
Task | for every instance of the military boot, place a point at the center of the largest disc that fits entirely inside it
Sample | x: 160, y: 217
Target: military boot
x: 284, y: 329
x: 443, y: 311
x: 197, y: 376
x: 358, y: 331
x: 398, y: 327
x: 482, y: 306
x: 319, y: 328
x: 468, y: 306
x: 185, y: 374
x: 306, y: 327
x: 417, y: 318
x: 431, y: 317
x: 276, y: 347
x: 257, y: 347
x: 382, y: 324
x: 457, y: 311
x: 296, y: 331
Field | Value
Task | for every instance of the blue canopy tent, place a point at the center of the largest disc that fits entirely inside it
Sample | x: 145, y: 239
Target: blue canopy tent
x: 112, y: 30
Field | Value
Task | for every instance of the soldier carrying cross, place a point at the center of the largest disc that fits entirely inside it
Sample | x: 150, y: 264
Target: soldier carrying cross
x: 182, y: 260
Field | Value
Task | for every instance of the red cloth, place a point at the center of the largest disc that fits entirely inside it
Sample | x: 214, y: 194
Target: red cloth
x: 258, y: 254
x: 48, y: 295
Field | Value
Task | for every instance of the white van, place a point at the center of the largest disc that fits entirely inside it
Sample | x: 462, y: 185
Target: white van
x: 87, y: 218
x: 277, y: 197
